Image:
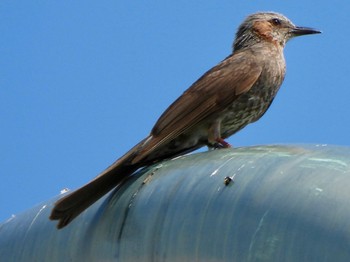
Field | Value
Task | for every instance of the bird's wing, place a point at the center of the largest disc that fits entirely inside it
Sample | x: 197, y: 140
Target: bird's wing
x: 215, y: 90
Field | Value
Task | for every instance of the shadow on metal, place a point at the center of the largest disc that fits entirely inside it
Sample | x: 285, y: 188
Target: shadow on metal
x: 263, y: 203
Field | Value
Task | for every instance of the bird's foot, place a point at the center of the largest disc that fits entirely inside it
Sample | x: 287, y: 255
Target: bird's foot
x: 219, y: 143
x: 222, y: 143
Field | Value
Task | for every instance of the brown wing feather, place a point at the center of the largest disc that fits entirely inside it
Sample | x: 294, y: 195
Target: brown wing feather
x: 215, y: 90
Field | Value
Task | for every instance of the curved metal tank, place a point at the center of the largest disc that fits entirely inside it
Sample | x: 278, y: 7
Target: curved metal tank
x: 284, y: 203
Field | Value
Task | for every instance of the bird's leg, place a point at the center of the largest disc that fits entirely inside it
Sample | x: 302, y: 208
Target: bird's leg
x: 222, y: 143
x: 214, y: 136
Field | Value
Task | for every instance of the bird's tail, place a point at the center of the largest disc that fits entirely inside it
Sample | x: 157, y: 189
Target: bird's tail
x: 70, y: 206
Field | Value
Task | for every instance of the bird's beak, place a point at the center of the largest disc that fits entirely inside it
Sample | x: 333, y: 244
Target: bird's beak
x: 299, y: 30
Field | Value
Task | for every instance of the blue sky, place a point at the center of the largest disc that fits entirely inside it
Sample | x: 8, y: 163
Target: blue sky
x: 82, y: 81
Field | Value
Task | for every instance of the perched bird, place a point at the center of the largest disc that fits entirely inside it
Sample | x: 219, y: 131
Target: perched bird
x: 234, y: 93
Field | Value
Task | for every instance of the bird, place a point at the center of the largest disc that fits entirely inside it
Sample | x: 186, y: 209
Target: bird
x: 234, y: 93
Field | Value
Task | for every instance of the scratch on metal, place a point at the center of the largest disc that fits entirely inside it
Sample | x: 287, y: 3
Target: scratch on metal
x: 252, y: 241
x: 36, y: 216
x: 223, y: 164
x: 328, y: 160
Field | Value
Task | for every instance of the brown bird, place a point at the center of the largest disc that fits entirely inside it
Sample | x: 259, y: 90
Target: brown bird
x: 236, y: 92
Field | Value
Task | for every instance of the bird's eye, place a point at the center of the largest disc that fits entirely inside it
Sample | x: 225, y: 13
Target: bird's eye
x: 276, y: 21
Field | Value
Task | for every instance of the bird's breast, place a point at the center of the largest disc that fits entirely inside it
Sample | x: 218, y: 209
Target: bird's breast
x: 250, y: 106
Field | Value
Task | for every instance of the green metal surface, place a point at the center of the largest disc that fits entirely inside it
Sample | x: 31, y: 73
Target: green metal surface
x: 285, y: 203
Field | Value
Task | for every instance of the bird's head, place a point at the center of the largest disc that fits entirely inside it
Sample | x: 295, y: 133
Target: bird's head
x: 268, y: 27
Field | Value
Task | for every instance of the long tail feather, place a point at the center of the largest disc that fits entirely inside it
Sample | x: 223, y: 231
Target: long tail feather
x: 70, y: 206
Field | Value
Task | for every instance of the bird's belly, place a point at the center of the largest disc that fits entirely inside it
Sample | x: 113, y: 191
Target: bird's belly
x: 245, y: 110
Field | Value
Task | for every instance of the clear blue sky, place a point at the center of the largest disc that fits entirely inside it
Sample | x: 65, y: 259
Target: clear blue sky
x: 82, y: 81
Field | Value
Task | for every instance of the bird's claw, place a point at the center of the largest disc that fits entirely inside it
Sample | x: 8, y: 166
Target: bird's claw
x: 219, y: 143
